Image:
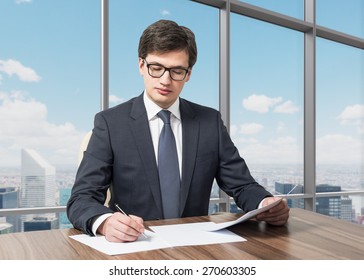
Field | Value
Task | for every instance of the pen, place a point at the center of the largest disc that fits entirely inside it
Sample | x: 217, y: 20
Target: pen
x: 122, y: 211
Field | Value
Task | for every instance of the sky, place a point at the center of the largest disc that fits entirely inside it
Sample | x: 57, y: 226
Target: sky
x: 50, y: 76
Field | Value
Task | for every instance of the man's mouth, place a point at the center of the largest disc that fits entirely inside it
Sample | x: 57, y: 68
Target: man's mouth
x: 163, y: 91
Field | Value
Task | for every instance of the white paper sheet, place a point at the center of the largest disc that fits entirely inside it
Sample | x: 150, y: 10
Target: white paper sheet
x: 194, y: 234
x: 152, y: 242
x: 163, y: 237
x: 245, y: 217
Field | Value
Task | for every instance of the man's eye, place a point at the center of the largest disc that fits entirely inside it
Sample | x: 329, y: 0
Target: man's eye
x: 178, y: 71
x: 156, y: 68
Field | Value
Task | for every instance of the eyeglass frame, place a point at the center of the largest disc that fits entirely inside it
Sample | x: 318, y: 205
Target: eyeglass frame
x: 166, y: 69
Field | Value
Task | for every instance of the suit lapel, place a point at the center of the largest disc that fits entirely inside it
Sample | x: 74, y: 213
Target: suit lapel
x: 139, y: 125
x: 190, y: 132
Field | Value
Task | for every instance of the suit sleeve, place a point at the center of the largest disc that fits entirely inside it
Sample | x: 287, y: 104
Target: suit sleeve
x: 233, y: 175
x: 92, y: 180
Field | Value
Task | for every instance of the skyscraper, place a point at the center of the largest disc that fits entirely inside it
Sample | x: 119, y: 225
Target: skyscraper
x: 8, y: 199
x: 328, y: 205
x: 347, y: 211
x: 41, y: 223
x: 64, y: 195
x: 5, y: 227
x: 38, y: 183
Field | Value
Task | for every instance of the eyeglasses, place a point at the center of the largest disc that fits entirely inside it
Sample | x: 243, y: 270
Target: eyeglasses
x: 156, y: 70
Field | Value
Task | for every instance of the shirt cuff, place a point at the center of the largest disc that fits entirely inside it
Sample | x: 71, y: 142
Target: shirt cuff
x: 261, y: 203
x: 99, y: 221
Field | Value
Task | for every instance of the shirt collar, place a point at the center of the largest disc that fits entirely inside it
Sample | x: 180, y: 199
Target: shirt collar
x: 153, y: 109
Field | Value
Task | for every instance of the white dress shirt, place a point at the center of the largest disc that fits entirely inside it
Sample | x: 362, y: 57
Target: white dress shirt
x: 156, y: 125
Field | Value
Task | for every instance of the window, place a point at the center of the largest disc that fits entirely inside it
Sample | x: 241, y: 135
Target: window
x: 344, y: 16
x: 49, y: 92
x: 267, y: 100
x: 292, y: 8
x: 340, y: 118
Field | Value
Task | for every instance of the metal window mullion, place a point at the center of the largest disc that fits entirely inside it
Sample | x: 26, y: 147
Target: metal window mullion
x: 32, y: 210
x: 269, y: 16
x: 104, y: 55
x: 339, y: 37
x: 211, y: 3
x: 310, y: 107
x: 224, y: 78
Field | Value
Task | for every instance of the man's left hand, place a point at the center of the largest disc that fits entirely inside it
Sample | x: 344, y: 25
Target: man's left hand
x: 277, y: 215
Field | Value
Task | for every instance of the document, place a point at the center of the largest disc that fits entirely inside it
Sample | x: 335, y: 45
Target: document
x: 167, y: 236
x: 162, y: 237
x: 151, y: 242
x: 245, y: 217
x: 194, y: 234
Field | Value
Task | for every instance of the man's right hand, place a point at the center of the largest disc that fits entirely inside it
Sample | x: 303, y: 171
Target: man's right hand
x: 121, y: 228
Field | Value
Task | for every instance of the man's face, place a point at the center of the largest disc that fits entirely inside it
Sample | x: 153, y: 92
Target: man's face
x: 164, y: 91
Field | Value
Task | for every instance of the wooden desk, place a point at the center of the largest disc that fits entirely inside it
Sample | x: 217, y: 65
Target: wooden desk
x: 307, y: 236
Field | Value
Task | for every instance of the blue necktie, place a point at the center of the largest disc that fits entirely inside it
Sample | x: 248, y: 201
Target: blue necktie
x: 168, y: 168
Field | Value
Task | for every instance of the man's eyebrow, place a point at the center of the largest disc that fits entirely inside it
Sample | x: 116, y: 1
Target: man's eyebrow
x: 159, y: 64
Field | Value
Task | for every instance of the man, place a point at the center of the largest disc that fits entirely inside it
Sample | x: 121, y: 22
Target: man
x: 123, y: 153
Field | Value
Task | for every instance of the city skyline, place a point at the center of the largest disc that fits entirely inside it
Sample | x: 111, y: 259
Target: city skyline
x: 269, y: 177
x: 30, y: 181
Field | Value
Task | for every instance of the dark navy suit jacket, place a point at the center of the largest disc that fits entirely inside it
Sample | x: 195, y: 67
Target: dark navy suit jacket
x: 120, y: 156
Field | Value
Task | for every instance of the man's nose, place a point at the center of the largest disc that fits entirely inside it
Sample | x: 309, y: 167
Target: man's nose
x: 166, y: 78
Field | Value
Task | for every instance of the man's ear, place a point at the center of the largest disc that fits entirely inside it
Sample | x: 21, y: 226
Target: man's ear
x: 188, y: 75
x: 141, y: 65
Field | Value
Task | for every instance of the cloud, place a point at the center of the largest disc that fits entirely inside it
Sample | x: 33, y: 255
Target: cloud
x: 281, y: 127
x: 251, y: 128
x: 288, y: 140
x: 284, y: 150
x: 361, y: 128
x: 233, y: 130
x: 165, y: 12
x: 287, y: 107
x: 338, y: 148
x: 13, y: 67
x: 22, y: 1
x: 352, y: 114
x: 245, y: 140
x: 330, y: 149
x: 260, y: 103
x: 115, y: 99
x: 24, y: 124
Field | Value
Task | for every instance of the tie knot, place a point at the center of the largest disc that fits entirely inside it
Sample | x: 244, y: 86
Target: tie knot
x: 165, y: 115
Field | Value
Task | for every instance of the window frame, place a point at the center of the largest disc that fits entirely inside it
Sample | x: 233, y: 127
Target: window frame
x: 310, y: 30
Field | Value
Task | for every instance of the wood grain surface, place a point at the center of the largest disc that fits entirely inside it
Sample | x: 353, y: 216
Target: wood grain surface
x: 307, y: 236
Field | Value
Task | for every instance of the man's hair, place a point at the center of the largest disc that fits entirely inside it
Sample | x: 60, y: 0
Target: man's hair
x: 165, y: 36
